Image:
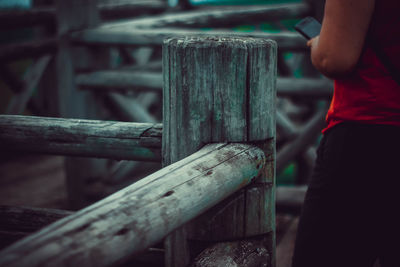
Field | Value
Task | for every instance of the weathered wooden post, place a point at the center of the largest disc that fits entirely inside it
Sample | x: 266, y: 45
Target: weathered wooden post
x: 221, y: 89
x: 72, y: 103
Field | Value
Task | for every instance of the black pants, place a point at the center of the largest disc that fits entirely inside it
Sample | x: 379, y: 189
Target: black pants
x: 351, y: 214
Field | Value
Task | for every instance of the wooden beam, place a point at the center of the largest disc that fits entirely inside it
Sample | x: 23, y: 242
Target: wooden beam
x: 222, y: 17
x: 27, y: 50
x: 307, y: 135
x: 120, y: 80
x: 305, y: 87
x: 141, y: 214
x: 31, y: 79
x: 130, y: 109
x: 199, y: 74
x: 28, y: 219
x: 126, y: 79
x: 285, y: 127
x: 86, y: 138
x: 110, y: 10
x: 155, y: 37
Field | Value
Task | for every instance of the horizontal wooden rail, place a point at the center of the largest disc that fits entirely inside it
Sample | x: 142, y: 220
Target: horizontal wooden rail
x: 47, y: 16
x: 142, y: 214
x: 85, y: 138
x: 121, y: 79
x: 155, y: 37
x: 219, y: 17
x: 27, y: 49
x: 27, y: 219
x: 110, y: 80
x: 19, y: 222
x: 305, y: 87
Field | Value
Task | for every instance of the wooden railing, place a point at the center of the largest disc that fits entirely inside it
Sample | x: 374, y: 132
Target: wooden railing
x: 70, y: 72
x: 235, y: 179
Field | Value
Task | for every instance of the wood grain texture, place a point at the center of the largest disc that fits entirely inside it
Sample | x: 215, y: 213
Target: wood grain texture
x: 90, y: 138
x: 140, y: 215
x: 212, y: 93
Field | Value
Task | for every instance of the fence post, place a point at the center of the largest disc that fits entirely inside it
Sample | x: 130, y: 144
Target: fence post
x: 221, y: 89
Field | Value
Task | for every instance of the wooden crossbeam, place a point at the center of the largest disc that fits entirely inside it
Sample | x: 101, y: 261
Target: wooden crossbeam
x: 227, y: 16
x: 121, y: 80
x: 305, y: 87
x: 307, y: 135
x: 155, y: 37
x: 85, y: 138
x: 141, y: 214
x: 27, y: 49
x: 111, y: 80
x: 31, y: 79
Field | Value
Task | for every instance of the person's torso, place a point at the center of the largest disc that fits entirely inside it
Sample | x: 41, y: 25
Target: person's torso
x: 370, y: 94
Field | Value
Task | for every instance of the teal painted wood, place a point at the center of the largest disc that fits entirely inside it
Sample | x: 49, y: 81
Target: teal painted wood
x: 141, y: 214
x: 89, y: 138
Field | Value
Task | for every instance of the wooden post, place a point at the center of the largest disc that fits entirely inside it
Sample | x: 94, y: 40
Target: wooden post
x: 72, y: 16
x: 221, y: 89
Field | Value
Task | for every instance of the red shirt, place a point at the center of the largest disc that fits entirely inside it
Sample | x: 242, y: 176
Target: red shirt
x: 369, y: 94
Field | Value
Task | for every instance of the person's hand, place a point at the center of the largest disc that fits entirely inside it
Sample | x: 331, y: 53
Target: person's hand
x: 313, y: 42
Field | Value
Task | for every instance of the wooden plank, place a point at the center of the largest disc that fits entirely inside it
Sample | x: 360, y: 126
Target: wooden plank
x: 155, y: 37
x: 141, y: 214
x: 121, y: 80
x: 31, y: 79
x: 225, y: 17
x: 86, y: 138
x: 199, y: 72
x: 30, y: 49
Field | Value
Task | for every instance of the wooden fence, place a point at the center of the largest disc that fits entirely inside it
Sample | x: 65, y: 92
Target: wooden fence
x: 78, y: 66
x: 198, y: 75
